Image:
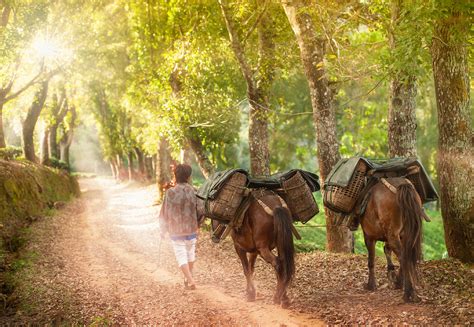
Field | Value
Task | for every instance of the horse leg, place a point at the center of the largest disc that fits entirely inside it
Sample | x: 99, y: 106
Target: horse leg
x: 406, y: 283
x: 247, y: 272
x: 370, y: 244
x: 396, y: 246
x: 250, y: 285
x: 269, y: 257
x: 391, y: 274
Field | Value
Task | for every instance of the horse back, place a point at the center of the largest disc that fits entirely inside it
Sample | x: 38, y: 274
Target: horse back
x: 382, y: 215
x: 257, y: 230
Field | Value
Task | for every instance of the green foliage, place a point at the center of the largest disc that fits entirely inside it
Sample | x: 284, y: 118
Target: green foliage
x: 10, y: 153
x: 59, y: 164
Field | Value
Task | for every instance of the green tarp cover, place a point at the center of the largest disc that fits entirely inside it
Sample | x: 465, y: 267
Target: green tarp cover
x: 213, y: 184
x: 342, y: 172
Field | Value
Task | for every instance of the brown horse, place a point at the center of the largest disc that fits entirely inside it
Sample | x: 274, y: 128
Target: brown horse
x: 262, y: 230
x: 393, y: 215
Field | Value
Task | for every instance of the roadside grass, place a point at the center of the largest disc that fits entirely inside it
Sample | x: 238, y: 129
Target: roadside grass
x: 313, y: 235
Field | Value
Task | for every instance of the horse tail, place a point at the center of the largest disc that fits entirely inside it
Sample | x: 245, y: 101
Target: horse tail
x: 411, y: 212
x: 284, y: 244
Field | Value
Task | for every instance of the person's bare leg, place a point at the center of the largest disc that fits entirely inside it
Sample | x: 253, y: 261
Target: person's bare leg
x: 191, y: 264
x: 187, y: 275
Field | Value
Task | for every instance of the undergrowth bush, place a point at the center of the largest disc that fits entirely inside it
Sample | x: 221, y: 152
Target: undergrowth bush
x: 59, y: 164
x: 10, y: 153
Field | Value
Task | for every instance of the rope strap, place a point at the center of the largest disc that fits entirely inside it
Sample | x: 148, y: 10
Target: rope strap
x: 392, y: 188
x: 270, y: 212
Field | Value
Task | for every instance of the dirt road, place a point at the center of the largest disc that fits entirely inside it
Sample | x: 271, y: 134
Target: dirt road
x: 100, y: 260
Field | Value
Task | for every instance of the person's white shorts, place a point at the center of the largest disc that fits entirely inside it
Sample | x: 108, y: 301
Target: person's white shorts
x: 184, y: 250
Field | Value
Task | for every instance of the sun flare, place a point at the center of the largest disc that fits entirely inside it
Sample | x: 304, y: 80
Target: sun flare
x: 46, y: 48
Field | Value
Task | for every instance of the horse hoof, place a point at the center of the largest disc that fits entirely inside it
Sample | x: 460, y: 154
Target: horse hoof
x: 250, y: 297
x: 285, y: 304
x: 276, y: 300
x: 392, y: 276
x: 370, y: 287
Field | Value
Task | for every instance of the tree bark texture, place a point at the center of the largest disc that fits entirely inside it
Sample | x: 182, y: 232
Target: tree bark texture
x: 258, y: 85
x: 203, y: 161
x: 163, y: 161
x: 401, y: 113
x: 30, y: 121
x: 312, y: 51
x: 456, y: 139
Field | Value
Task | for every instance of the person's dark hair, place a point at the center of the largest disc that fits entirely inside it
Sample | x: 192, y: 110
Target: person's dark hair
x: 182, y: 173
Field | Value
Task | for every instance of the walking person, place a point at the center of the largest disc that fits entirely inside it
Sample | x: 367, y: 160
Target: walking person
x: 178, y: 217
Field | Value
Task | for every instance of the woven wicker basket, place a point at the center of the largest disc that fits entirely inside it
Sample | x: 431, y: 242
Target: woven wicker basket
x: 343, y: 199
x: 299, y: 198
x: 225, y: 205
x: 414, y: 176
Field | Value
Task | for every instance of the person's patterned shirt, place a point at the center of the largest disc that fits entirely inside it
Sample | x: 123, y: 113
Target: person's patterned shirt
x: 178, y: 215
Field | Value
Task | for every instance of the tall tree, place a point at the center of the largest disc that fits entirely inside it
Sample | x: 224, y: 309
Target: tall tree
x: 456, y: 139
x: 58, y: 113
x: 30, y: 121
x: 312, y: 48
x: 258, y: 79
x: 66, y: 139
x: 19, y: 21
x: 163, y: 162
x: 401, y: 114
x: 6, y: 95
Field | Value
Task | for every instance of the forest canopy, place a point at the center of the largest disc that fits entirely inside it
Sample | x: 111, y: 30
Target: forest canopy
x: 264, y: 85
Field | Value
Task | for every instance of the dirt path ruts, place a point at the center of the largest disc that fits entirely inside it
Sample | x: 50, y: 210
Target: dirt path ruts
x: 100, y: 261
x: 107, y: 256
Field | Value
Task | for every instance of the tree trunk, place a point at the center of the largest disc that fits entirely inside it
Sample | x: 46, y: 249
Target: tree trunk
x: 3, y: 144
x: 30, y: 122
x: 112, y: 168
x: 130, y: 166
x: 66, y: 140
x: 149, y: 167
x: 163, y: 173
x: 59, y: 113
x: 5, y: 14
x: 324, y: 116
x: 207, y: 168
x: 401, y: 113
x: 141, y: 162
x: 258, y: 85
x: 44, y: 148
x: 456, y: 139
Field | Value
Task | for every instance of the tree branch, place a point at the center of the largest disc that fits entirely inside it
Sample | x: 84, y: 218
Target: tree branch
x: 255, y: 24
x: 24, y: 88
x: 237, y: 46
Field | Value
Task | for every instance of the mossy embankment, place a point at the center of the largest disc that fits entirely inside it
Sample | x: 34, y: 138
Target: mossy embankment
x: 27, y: 191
